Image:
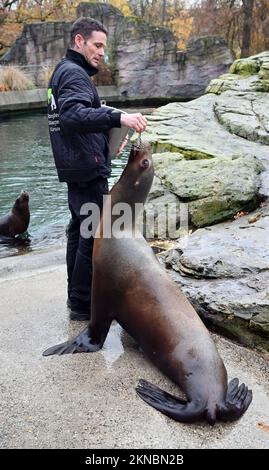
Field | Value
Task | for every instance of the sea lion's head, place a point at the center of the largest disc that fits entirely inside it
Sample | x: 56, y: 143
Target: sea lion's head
x: 141, y: 155
x: 140, y: 169
x: 22, y: 202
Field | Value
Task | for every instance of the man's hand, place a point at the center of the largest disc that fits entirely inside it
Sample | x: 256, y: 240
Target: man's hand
x: 135, y: 121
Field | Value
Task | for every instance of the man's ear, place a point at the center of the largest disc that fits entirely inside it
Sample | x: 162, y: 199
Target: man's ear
x: 79, y: 41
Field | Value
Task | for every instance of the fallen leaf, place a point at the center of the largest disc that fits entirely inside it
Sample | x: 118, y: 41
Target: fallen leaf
x: 254, y: 218
x: 263, y: 426
x: 240, y: 214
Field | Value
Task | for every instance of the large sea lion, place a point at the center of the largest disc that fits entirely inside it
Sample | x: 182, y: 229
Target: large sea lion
x: 17, y: 220
x: 129, y: 285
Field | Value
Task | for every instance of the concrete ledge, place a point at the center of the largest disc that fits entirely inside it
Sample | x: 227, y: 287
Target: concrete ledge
x: 15, y: 101
x: 23, y: 100
x: 37, y: 98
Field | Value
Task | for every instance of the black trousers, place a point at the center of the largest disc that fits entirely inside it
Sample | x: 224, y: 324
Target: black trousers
x: 79, y: 249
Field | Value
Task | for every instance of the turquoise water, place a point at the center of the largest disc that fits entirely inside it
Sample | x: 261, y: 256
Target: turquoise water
x: 26, y: 163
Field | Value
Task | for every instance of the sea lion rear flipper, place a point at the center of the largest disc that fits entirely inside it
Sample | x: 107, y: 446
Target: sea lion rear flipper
x: 148, y: 389
x: 238, y: 399
x: 171, y: 406
x: 81, y: 343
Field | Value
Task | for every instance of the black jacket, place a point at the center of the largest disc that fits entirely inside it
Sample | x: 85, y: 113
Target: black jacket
x: 78, y: 125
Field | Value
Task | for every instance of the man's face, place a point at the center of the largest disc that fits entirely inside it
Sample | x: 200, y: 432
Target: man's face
x: 93, y: 48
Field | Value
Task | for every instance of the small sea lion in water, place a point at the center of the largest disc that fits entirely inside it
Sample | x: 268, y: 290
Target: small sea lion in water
x: 129, y: 285
x: 17, y: 220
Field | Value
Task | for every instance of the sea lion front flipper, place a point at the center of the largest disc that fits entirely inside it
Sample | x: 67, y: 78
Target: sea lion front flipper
x: 81, y: 343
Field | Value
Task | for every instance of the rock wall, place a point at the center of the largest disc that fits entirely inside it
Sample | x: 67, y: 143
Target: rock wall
x: 40, y: 44
x: 39, y: 48
x: 144, y: 60
x: 213, y: 159
x: 159, y: 69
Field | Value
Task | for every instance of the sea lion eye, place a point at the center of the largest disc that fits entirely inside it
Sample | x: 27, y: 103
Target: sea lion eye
x: 145, y: 163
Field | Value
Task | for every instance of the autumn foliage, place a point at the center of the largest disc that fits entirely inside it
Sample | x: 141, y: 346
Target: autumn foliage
x: 244, y: 23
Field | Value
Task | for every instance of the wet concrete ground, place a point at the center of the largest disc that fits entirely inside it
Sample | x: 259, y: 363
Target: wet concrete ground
x: 88, y: 400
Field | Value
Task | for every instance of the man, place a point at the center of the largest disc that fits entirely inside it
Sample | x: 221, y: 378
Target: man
x: 78, y: 127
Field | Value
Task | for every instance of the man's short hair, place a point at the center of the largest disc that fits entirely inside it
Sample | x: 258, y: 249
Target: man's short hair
x: 85, y: 26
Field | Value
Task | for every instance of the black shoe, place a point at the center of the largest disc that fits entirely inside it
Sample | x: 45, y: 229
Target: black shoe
x: 79, y: 315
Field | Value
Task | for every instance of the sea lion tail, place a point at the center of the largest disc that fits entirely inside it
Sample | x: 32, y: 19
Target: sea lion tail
x: 238, y: 399
x: 171, y: 406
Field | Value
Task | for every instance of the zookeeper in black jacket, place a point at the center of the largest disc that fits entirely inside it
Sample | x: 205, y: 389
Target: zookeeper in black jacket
x: 78, y: 128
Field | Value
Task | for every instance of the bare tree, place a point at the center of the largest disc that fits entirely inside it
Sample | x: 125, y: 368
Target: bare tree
x: 244, y: 23
x: 7, y: 4
x: 248, y: 7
